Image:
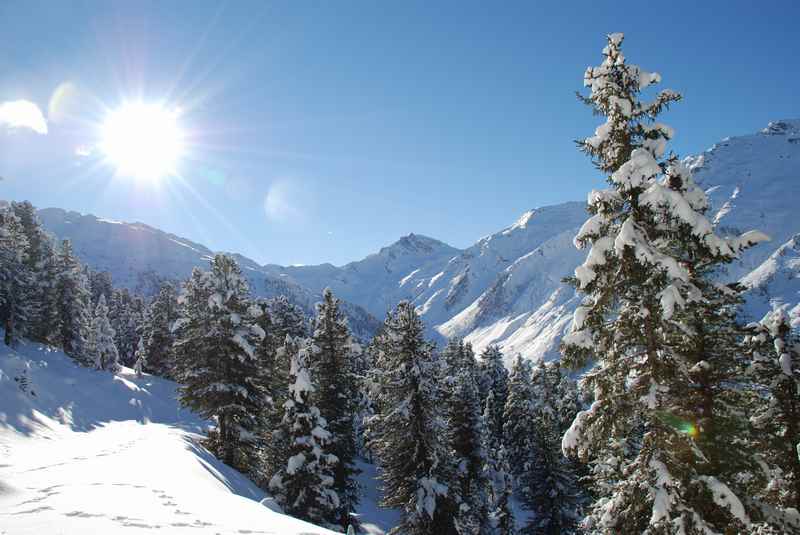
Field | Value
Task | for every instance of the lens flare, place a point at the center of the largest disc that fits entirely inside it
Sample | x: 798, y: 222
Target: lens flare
x: 684, y: 426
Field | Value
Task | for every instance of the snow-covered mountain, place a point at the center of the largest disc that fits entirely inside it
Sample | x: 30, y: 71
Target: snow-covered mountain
x: 753, y: 182
x: 506, y: 288
x: 776, y: 283
x: 485, y: 293
x: 139, y: 257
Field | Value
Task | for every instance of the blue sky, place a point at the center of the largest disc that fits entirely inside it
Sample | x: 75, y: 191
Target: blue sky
x: 321, y: 131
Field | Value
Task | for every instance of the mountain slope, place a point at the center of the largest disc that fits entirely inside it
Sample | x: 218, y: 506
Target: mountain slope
x: 753, y: 182
x: 444, y: 282
x: 89, y: 452
x: 776, y: 283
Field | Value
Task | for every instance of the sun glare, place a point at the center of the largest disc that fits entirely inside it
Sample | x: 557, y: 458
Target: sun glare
x: 143, y: 140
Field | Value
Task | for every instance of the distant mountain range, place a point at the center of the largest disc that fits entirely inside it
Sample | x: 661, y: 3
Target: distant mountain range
x: 506, y: 288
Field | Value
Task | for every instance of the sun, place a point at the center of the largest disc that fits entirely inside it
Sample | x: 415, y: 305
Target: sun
x: 143, y: 140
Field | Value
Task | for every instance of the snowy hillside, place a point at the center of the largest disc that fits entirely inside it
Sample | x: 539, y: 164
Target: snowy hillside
x: 776, y: 283
x: 506, y: 288
x: 753, y: 182
x: 89, y: 452
x: 440, y: 280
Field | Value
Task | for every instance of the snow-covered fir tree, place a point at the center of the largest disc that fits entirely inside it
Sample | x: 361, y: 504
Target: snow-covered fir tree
x: 501, y: 490
x: 45, y: 326
x: 157, y: 331
x: 493, y: 377
x: 305, y: 485
x: 16, y: 277
x: 549, y: 486
x: 643, y: 233
x: 73, y: 301
x: 100, y: 347
x: 272, y: 455
x: 216, y: 362
x: 336, y: 397
x: 38, y: 255
x: 518, y: 417
x: 457, y: 355
x: 39, y: 243
x: 100, y: 283
x: 470, y: 484
x: 126, y: 312
x: 775, y: 366
x: 362, y: 365
x: 407, y: 434
x: 287, y: 319
x: 712, y: 395
x: 278, y: 319
x: 141, y: 358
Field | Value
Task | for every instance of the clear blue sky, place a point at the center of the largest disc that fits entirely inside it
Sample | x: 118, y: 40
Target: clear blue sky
x: 364, y: 121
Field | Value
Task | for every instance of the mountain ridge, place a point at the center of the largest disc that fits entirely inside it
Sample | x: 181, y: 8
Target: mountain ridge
x: 506, y: 287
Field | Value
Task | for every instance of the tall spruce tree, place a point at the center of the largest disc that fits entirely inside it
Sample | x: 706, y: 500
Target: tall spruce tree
x: 73, y: 301
x: 502, y: 489
x: 456, y: 356
x: 100, y: 283
x: 287, y: 319
x: 45, y: 326
x: 407, y: 432
x: 37, y: 288
x: 126, y: 312
x: 336, y: 397
x: 278, y: 320
x: 550, y: 487
x: 157, y: 332
x: 216, y: 362
x: 273, y: 453
x: 493, y: 377
x: 141, y: 358
x: 775, y: 366
x: 39, y: 244
x: 643, y: 232
x: 305, y: 485
x: 518, y: 417
x: 100, y: 347
x: 16, y: 277
x: 470, y: 484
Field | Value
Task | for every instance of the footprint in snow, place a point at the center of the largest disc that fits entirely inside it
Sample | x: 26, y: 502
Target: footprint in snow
x: 83, y: 514
x: 134, y: 522
x: 33, y: 511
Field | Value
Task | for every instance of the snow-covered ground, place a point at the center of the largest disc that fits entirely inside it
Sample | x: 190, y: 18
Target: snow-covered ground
x: 86, y: 452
